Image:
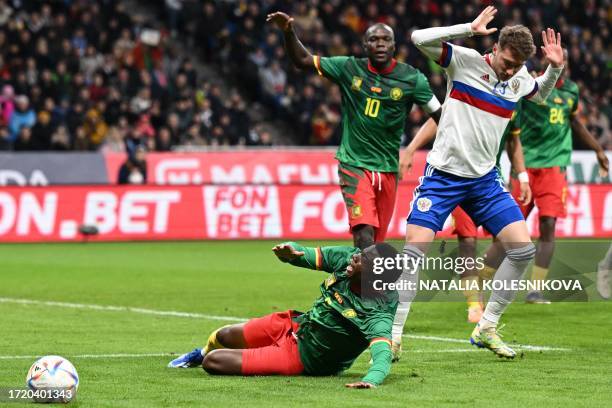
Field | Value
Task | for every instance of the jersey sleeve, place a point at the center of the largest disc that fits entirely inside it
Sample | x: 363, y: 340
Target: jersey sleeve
x: 433, y: 42
x: 423, y: 95
x: 380, y: 349
x: 540, y: 88
x: 328, y: 259
x: 330, y: 67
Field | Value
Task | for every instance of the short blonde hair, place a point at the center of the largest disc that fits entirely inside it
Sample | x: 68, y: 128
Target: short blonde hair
x: 519, y: 39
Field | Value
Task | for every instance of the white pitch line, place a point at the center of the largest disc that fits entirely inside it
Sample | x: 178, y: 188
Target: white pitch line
x: 461, y: 341
x: 223, y: 318
x: 107, y: 308
x: 96, y: 356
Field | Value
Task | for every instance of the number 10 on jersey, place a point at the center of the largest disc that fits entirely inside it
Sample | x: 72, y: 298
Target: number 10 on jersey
x: 372, y: 107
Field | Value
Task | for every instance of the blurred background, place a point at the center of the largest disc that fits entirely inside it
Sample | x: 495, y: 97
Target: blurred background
x: 198, y: 97
x: 163, y: 75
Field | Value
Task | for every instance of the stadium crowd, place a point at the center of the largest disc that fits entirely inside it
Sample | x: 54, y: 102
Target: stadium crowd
x: 85, y: 75
x: 234, y: 36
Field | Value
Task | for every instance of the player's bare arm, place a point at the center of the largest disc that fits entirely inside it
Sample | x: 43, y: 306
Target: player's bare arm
x: 298, y: 54
x: 515, y: 153
x: 587, y: 138
x: 425, y: 135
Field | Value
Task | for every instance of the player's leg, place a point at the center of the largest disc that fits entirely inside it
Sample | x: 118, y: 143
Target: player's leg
x: 385, y: 203
x: 363, y: 235
x: 434, y: 199
x: 544, y: 252
x: 549, y: 190
x: 270, y: 349
x: 230, y: 337
x: 223, y: 362
x: 258, y: 332
x: 467, y: 232
x: 357, y: 186
x: 603, y: 274
x: 492, y: 206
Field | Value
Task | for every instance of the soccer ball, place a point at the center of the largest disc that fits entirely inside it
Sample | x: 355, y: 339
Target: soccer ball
x: 52, y: 379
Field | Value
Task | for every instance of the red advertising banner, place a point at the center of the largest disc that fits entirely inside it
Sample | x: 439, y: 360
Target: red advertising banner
x: 269, y: 167
x: 231, y: 212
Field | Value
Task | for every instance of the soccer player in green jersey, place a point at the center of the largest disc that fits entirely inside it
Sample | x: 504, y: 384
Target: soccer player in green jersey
x: 546, y: 135
x: 352, y: 314
x: 377, y: 94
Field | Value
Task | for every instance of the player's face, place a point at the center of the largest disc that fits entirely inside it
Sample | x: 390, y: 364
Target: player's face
x: 354, y: 267
x: 505, y: 63
x: 380, y: 46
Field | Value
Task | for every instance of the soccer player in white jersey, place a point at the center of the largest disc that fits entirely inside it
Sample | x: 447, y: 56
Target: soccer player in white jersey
x: 482, y: 93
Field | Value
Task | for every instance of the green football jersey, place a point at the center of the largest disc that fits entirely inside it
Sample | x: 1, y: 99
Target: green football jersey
x: 375, y: 105
x: 546, y: 130
x: 341, y: 325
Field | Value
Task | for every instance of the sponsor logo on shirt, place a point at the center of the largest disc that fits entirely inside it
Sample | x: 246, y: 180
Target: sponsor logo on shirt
x: 485, y: 77
x: 338, y: 297
x: 423, y: 204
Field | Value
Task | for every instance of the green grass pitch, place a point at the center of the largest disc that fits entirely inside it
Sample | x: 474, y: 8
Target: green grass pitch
x: 121, y: 354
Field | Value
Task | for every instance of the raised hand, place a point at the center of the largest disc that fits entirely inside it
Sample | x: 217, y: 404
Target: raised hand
x: 479, y: 25
x: 286, y: 252
x: 280, y: 20
x: 552, y: 50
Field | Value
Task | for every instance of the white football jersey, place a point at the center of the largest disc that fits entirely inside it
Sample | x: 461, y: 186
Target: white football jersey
x: 475, y: 113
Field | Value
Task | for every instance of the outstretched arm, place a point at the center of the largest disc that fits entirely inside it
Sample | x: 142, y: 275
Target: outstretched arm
x: 431, y: 40
x: 588, y: 139
x: 328, y: 259
x: 299, y: 55
x: 425, y: 135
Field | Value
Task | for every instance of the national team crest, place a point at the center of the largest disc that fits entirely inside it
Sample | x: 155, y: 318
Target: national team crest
x: 356, y: 85
x: 356, y: 211
x: 423, y: 204
x: 349, y: 313
x: 515, y: 85
x: 396, y: 94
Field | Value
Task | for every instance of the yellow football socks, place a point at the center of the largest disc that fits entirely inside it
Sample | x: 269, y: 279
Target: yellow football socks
x: 213, y: 343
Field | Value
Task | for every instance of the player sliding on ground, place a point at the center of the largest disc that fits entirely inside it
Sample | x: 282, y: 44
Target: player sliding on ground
x: 481, y: 97
x: 348, y: 318
x: 377, y: 94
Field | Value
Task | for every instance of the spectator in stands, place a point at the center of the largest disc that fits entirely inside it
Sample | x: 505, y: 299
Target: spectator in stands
x: 134, y: 169
x: 22, y: 117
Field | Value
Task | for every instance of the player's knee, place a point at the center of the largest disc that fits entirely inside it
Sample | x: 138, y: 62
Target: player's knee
x: 224, y: 335
x: 522, y: 254
x: 213, y: 362
x: 363, y: 236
